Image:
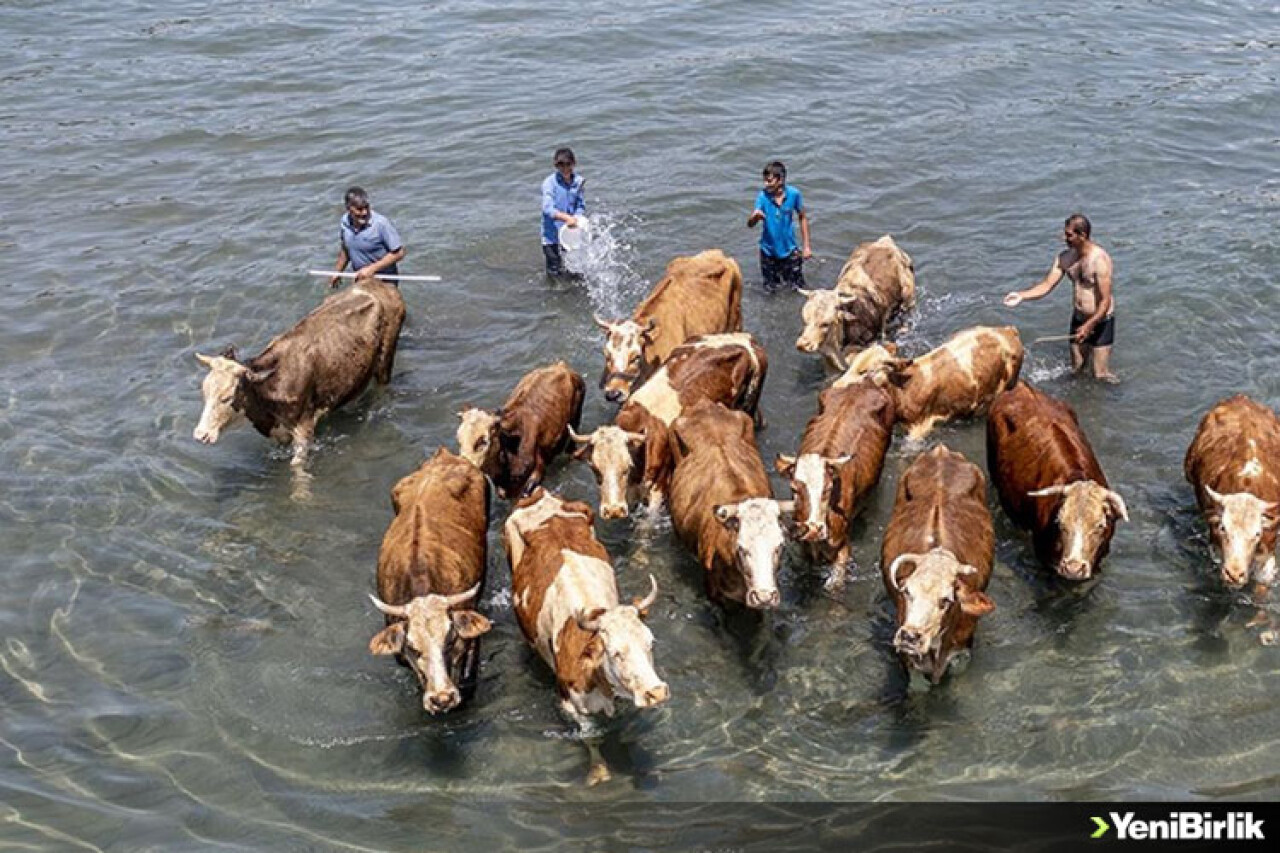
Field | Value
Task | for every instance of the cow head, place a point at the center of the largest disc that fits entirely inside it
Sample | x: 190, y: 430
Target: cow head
x: 478, y: 438
x: 627, y: 659
x: 624, y: 346
x: 876, y: 362
x: 223, y: 391
x: 1086, y: 519
x: 610, y: 452
x: 814, y: 481
x: 426, y: 638
x: 934, y: 597
x: 1244, y: 529
x: 758, y: 537
x: 824, y: 314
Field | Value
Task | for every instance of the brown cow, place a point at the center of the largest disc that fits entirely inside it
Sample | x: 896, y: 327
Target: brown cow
x: 701, y: 295
x: 566, y: 600
x: 431, y: 563
x: 1234, y: 465
x: 936, y: 559
x: 958, y: 379
x: 1050, y: 482
x: 728, y: 369
x: 839, y: 463
x: 323, y: 362
x: 514, y: 444
x: 877, y: 283
x: 722, y: 505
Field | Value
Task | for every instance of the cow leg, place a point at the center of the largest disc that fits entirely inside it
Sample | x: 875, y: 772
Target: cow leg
x: 599, y: 771
x: 303, y: 434
x: 386, y: 357
x: 839, y: 570
x: 655, y: 499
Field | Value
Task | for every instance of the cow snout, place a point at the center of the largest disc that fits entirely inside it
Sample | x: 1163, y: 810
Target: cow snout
x: 1234, y: 579
x: 205, y: 436
x: 907, y: 641
x: 812, y: 532
x: 805, y: 345
x: 441, y: 700
x: 613, y: 511
x: 614, y: 395
x: 763, y: 599
x: 1075, y: 570
x: 654, y: 696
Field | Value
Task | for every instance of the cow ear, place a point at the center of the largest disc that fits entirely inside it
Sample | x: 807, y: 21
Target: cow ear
x: 469, y: 624
x: 206, y: 360
x: 649, y: 329
x: 785, y: 465
x: 388, y: 641
x: 975, y: 603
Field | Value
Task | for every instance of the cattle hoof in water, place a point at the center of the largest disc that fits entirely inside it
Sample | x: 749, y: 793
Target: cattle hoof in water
x: 598, y: 773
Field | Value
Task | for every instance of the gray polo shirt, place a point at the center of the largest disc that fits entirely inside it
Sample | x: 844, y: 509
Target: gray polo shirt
x: 372, y: 242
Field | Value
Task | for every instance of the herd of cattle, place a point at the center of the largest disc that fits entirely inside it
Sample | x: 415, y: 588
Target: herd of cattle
x: 689, y: 383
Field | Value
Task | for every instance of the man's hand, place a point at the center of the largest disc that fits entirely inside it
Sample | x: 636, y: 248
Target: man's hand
x: 571, y: 221
x: 806, y: 253
x: 1083, y: 333
x: 335, y: 281
x: 756, y: 216
x: 1012, y: 299
x: 365, y: 273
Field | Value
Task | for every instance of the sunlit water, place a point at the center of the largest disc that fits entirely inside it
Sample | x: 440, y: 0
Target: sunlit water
x: 183, y: 658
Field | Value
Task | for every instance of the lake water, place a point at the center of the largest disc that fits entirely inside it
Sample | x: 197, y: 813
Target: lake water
x: 183, y: 659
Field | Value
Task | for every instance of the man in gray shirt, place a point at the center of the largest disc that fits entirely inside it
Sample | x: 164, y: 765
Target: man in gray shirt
x: 370, y: 243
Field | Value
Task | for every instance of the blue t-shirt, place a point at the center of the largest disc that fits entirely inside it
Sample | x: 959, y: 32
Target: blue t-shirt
x: 778, y: 234
x: 561, y: 196
x: 372, y: 242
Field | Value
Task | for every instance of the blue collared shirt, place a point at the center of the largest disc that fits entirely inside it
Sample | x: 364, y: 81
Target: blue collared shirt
x: 372, y: 242
x: 561, y: 196
x: 778, y: 234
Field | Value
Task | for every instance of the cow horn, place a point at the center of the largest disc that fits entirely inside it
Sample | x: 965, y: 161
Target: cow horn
x: 807, y: 294
x: 1217, y: 498
x: 966, y: 569
x: 897, y: 562
x: 645, y: 603
x: 604, y: 324
x: 460, y: 598
x: 206, y: 360
x: 588, y: 624
x: 1048, y: 491
x: 786, y: 507
x: 1117, y: 503
x: 637, y: 437
x: 390, y: 610
x: 581, y: 439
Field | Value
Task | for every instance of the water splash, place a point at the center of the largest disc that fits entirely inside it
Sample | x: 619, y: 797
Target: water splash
x: 606, y: 263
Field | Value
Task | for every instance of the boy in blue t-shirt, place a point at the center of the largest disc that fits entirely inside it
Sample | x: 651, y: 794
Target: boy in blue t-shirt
x: 781, y: 260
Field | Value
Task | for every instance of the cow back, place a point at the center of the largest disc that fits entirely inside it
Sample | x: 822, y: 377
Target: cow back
x: 854, y: 420
x: 960, y: 377
x: 941, y: 503
x: 699, y: 295
x: 1231, y: 434
x: 437, y: 541
x: 535, y: 420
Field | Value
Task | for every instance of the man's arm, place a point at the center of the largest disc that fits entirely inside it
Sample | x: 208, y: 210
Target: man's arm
x: 390, y: 237
x: 340, y: 264
x: 805, y: 251
x: 1045, y: 285
x: 1104, y: 303
x: 758, y: 213
x: 549, y: 204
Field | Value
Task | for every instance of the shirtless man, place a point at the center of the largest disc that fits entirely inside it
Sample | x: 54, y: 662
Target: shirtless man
x: 1093, y: 324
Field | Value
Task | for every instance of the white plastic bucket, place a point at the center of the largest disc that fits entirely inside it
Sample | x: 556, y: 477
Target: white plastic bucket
x: 573, y: 238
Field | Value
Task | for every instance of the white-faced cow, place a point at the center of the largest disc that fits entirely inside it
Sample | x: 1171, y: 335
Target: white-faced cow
x: 514, y: 444
x: 936, y: 559
x: 1234, y: 465
x: 632, y: 454
x: 323, y: 362
x: 430, y: 574
x: 566, y: 600
x: 1049, y: 480
x: 701, y: 295
x: 838, y: 464
x: 722, y: 506
x: 956, y: 380
x: 876, y: 284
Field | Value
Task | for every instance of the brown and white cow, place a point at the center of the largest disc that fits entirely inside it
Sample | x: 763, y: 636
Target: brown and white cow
x: 1234, y: 465
x: 936, y: 559
x: 323, y: 362
x: 1049, y: 480
x: 722, y: 505
x: 431, y: 564
x: 701, y: 295
x: 566, y: 600
x: 514, y: 444
x: 632, y: 454
x: 957, y: 379
x: 876, y: 283
x: 839, y: 462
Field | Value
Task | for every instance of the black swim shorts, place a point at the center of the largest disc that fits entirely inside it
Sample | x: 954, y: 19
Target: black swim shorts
x: 1103, y: 335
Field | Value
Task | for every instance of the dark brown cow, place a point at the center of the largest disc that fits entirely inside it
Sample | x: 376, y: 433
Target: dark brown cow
x: 936, y: 559
x: 955, y: 380
x: 566, y: 600
x: 722, y: 505
x: 514, y: 444
x: 728, y: 369
x: 839, y: 463
x: 432, y: 563
x: 323, y: 362
x: 1050, y: 482
x: 1234, y: 465
x: 877, y: 283
x: 701, y: 295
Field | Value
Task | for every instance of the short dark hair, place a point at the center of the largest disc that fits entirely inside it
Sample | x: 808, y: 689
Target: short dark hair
x: 1079, y: 223
x: 357, y: 197
x: 775, y: 169
x: 564, y: 157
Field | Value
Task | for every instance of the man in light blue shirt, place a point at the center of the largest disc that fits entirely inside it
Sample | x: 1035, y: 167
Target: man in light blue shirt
x: 781, y: 260
x: 369, y: 241
x: 562, y: 201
